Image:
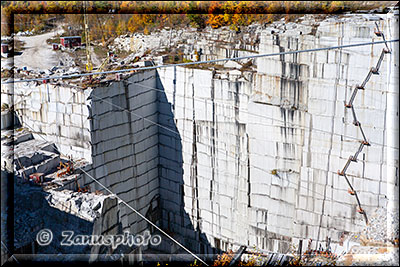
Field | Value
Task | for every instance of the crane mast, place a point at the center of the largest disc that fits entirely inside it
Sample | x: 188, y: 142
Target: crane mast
x: 89, y: 65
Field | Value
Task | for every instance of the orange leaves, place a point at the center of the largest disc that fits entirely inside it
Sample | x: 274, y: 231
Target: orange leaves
x: 336, y: 6
x: 52, y: 6
x: 110, y: 28
x: 138, y: 15
x: 164, y: 19
x: 143, y: 21
x: 233, y: 14
x: 214, y: 7
x: 121, y: 27
x: 147, y: 19
x: 224, y: 259
x: 132, y: 25
x: 215, y: 21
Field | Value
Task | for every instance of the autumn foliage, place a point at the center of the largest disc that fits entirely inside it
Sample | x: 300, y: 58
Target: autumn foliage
x: 111, y: 18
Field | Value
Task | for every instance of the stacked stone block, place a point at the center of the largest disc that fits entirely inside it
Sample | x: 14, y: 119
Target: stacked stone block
x: 56, y: 112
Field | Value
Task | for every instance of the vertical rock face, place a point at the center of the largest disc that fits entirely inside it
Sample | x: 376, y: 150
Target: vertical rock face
x: 220, y: 157
x: 392, y: 125
x: 267, y: 145
x: 124, y: 138
x: 57, y: 112
x: 138, y: 155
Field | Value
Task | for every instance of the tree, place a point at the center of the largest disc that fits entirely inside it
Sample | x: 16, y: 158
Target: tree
x: 132, y: 25
x: 215, y: 21
x: 121, y: 27
x: 110, y: 28
x: 196, y: 20
x: 336, y: 6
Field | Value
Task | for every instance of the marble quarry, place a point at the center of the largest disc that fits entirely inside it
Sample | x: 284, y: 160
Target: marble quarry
x: 243, y: 152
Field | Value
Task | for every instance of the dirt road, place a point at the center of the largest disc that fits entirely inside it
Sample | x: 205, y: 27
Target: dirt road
x: 37, y: 54
x: 40, y: 56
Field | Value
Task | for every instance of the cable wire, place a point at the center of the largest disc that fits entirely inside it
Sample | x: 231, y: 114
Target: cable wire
x: 191, y: 139
x: 263, y: 170
x: 162, y: 126
x: 301, y: 127
x: 199, y: 62
x: 147, y: 220
x: 175, y: 132
x: 241, y: 161
x: 138, y: 213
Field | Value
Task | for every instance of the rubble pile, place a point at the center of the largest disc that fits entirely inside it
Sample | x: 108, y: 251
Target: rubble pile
x: 370, y: 256
x: 376, y: 230
x: 52, y: 202
x: 192, y: 44
x: 84, y: 205
x: 374, y: 247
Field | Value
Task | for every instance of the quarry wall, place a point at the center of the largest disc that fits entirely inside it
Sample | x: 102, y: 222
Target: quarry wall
x: 131, y: 121
x: 125, y: 146
x: 57, y: 112
x: 288, y: 123
x: 230, y: 157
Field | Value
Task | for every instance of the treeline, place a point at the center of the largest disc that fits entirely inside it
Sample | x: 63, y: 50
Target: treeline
x: 108, y: 19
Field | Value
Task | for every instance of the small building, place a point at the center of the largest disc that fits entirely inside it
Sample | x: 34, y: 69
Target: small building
x: 70, y: 41
x: 4, y: 48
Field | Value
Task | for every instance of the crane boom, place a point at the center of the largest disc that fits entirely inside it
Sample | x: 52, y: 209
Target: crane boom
x: 89, y: 65
x: 105, y: 62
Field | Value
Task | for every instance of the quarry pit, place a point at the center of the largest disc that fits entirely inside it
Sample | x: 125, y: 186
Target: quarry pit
x: 222, y: 155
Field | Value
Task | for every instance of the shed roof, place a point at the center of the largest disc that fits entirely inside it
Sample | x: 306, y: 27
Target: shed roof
x: 68, y: 37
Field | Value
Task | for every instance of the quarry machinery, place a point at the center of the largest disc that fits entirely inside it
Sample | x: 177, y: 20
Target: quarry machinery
x: 110, y: 55
x: 36, y: 178
x: 364, y: 142
x: 65, y: 168
x: 89, y: 65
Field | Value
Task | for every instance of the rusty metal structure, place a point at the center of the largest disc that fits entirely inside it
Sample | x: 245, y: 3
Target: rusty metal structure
x: 364, y: 142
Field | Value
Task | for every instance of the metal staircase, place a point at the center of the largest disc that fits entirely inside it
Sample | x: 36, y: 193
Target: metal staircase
x: 364, y: 142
